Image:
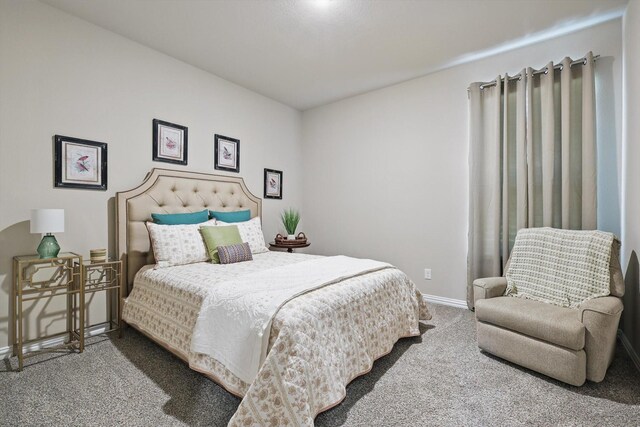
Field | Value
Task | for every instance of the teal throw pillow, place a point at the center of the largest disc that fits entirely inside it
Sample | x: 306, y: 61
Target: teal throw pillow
x: 181, y: 218
x: 219, y: 236
x: 236, y: 216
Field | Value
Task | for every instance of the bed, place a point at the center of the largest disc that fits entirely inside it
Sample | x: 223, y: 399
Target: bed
x: 317, y: 342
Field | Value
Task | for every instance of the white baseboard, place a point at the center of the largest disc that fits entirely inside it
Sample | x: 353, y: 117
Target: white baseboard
x: 434, y: 299
x: 7, y: 352
x: 630, y: 350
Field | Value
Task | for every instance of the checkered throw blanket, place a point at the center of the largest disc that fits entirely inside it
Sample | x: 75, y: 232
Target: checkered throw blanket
x: 561, y: 267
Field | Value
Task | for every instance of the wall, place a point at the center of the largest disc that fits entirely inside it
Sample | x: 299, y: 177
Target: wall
x: 631, y: 175
x: 386, y: 172
x: 62, y: 75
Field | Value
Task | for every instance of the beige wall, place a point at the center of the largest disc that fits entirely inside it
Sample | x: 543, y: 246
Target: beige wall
x: 62, y: 75
x: 631, y: 175
x: 386, y: 172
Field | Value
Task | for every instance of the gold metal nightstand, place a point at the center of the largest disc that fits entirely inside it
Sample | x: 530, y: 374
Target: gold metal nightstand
x: 37, y: 278
x: 105, y: 276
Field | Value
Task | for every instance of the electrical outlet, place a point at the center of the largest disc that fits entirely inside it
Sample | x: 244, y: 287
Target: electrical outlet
x: 427, y: 274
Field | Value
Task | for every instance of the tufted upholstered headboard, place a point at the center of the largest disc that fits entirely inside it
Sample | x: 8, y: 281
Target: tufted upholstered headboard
x: 171, y: 191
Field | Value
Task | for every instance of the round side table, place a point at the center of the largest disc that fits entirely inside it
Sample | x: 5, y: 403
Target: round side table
x: 289, y: 248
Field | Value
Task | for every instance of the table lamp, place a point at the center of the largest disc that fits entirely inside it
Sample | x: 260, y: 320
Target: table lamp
x: 47, y: 221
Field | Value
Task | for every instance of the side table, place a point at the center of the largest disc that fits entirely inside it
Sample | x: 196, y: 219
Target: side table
x: 35, y: 278
x: 105, y: 277
x: 289, y: 247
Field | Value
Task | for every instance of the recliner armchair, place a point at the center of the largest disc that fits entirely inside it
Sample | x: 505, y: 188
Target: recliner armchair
x: 570, y: 345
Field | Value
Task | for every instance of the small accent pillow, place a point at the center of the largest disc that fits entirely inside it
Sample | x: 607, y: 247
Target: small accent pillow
x: 234, y: 253
x: 236, y: 216
x: 251, y: 232
x: 219, y: 236
x: 177, y: 244
x: 181, y: 218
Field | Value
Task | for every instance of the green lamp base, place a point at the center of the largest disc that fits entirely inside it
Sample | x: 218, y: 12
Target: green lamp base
x: 48, y: 247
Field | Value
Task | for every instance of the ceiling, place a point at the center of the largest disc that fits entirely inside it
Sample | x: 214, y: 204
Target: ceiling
x: 306, y: 53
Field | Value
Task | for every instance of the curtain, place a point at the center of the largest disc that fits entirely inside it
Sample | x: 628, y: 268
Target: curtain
x: 532, y: 159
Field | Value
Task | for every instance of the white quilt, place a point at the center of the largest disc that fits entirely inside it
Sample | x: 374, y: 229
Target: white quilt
x: 236, y: 316
x: 318, y: 343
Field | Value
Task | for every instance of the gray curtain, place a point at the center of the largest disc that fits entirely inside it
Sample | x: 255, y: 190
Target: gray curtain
x: 532, y: 159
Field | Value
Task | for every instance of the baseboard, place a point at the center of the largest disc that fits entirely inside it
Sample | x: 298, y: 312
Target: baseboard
x: 434, y: 299
x: 630, y: 350
x: 7, y: 352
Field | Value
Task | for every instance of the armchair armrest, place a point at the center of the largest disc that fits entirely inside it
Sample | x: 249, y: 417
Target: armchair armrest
x: 600, y: 317
x: 606, y: 306
x: 488, y: 287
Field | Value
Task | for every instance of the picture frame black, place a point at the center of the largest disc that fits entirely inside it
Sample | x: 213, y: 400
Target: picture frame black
x: 80, y: 163
x: 272, y: 184
x: 170, y: 142
x: 226, y: 153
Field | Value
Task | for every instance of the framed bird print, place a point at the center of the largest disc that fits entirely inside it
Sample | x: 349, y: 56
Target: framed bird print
x: 169, y: 142
x: 80, y: 163
x: 227, y: 153
x: 272, y: 184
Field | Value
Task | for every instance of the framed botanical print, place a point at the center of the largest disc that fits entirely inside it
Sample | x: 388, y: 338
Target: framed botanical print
x: 227, y: 153
x: 272, y: 184
x: 80, y: 163
x: 170, y: 142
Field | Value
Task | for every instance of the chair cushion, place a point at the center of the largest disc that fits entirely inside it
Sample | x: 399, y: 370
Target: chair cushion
x: 557, y: 325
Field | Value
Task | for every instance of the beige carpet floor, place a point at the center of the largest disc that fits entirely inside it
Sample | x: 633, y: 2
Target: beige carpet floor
x: 437, y: 379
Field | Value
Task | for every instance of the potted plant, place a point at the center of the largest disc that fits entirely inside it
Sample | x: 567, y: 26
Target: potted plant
x: 290, y: 220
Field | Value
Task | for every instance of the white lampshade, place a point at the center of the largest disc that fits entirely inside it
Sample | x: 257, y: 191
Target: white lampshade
x: 47, y: 220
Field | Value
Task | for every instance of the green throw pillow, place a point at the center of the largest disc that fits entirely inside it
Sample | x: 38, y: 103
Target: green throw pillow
x: 219, y: 236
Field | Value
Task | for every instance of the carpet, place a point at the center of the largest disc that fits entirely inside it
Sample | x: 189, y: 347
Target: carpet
x: 439, y: 378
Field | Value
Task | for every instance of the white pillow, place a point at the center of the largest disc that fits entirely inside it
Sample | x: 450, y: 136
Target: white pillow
x: 251, y: 233
x: 178, y: 244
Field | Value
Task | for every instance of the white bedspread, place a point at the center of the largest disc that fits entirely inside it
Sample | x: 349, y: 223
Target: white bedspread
x: 320, y: 341
x: 235, y: 318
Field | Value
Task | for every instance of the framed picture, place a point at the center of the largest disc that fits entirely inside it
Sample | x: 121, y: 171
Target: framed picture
x: 227, y: 153
x: 80, y: 163
x: 169, y: 142
x: 272, y: 184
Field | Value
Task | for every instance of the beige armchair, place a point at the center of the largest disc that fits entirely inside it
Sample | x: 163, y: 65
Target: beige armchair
x: 570, y: 345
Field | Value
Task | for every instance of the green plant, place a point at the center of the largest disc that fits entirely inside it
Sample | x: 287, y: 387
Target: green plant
x: 290, y: 219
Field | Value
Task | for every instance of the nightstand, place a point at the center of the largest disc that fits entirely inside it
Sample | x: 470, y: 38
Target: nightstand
x: 36, y: 278
x: 289, y: 247
x: 105, y: 277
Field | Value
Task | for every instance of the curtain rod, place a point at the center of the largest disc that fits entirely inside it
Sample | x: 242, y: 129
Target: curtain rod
x: 544, y: 70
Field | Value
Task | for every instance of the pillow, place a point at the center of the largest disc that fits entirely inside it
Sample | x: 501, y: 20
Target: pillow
x: 219, y: 236
x: 177, y: 244
x: 234, y: 253
x: 251, y: 232
x: 237, y: 216
x: 181, y: 218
